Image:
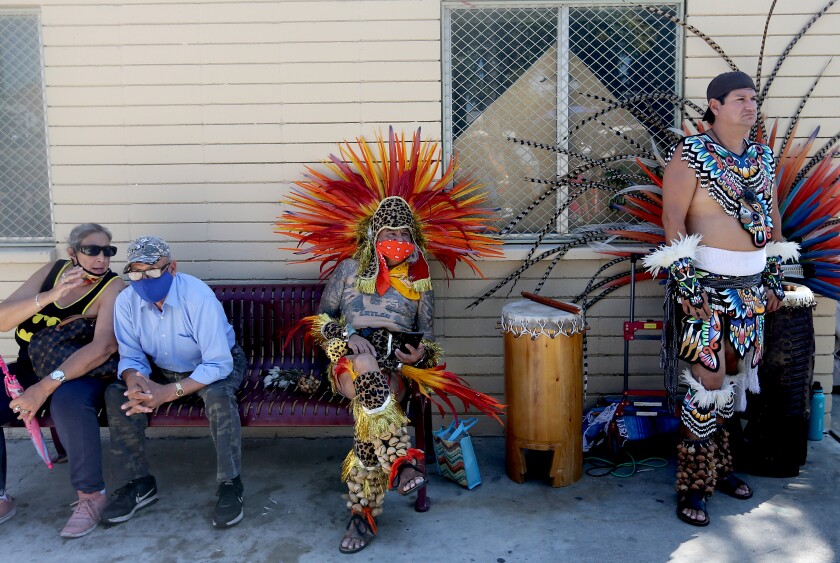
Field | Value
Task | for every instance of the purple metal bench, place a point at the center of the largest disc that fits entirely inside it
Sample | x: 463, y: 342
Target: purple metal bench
x: 262, y: 316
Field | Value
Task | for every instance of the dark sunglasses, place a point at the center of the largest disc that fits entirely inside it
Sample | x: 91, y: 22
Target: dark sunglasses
x: 95, y: 250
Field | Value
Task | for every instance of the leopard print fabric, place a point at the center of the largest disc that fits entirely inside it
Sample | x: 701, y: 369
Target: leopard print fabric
x: 393, y: 213
x: 365, y: 453
x: 332, y: 330
x: 379, y: 341
x: 336, y: 349
x: 372, y: 389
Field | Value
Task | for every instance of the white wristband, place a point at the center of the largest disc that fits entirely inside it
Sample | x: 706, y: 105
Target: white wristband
x: 37, y: 302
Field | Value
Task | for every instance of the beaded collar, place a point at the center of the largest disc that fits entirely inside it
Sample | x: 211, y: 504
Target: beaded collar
x: 741, y: 184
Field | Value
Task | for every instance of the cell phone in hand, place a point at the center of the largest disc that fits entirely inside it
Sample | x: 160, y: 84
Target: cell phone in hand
x: 412, y: 338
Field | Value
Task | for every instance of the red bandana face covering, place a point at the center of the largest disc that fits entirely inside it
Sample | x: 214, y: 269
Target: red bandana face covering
x: 395, y: 250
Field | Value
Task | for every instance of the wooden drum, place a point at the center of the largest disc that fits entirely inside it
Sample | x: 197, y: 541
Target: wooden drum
x: 543, y: 388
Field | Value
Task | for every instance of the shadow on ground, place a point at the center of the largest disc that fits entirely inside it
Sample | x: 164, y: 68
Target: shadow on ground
x: 294, y: 513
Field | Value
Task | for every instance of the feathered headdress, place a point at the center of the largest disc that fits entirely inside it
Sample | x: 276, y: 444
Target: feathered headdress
x: 388, y: 185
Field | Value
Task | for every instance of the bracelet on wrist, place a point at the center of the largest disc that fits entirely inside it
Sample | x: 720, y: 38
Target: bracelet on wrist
x: 348, y: 332
x: 38, y: 303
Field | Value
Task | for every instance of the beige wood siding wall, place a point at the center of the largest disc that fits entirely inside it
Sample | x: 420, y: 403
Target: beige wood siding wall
x: 190, y: 119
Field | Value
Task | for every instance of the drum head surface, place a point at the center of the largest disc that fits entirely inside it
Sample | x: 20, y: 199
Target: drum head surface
x: 799, y: 296
x: 534, y: 318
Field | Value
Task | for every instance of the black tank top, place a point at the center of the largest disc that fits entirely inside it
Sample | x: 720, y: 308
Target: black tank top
x: 52, y: 314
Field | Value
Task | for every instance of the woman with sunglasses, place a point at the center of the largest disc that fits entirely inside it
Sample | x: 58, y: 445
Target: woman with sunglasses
x: 82, y: 284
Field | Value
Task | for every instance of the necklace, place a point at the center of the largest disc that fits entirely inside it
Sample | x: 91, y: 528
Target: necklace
x: 715, y: 138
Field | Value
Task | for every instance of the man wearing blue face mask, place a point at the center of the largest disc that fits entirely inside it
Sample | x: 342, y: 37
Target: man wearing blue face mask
x: 174, y: 320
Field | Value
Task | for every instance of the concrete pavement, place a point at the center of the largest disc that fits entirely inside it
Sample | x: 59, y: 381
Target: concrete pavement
x: 294, y: 513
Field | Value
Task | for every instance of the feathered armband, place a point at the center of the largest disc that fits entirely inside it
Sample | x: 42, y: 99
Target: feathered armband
x: 777, y: 253
x: 678, y: 257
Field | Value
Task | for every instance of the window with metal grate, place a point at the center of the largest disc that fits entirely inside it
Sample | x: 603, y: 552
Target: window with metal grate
x: 534, y: 72
x: 25, y: 211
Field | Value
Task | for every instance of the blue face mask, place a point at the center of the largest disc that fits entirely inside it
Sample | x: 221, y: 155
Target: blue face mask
x: 153, y: 290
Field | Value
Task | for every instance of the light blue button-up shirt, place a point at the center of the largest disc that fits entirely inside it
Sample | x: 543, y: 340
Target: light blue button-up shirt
x: 191, y: 334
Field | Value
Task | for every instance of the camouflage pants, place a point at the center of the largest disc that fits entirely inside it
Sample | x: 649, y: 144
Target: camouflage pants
x: 127, y: 446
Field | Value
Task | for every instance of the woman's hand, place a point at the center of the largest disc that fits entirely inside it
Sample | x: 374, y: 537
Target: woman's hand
x: 360, y: 345
x: 414, y: 355
x: 69, y: 280
x: 30, y: 402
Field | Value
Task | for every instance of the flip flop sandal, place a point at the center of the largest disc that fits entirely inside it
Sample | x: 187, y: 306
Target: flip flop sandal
x: 729, y: 486
x: 420, y: 467
x: 692, y: 501
x: 363, y: 532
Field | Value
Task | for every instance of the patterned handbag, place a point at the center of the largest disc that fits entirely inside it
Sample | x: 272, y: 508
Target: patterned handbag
x: 50, y: 347
x: 455, y: 453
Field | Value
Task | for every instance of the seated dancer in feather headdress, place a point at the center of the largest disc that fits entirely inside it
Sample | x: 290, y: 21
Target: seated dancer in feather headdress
x: 367, y: 221
x: 718, y: 189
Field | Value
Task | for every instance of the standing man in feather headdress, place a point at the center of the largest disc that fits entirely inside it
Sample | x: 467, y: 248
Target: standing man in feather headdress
x: 376, y: 220
x: 724, y: 265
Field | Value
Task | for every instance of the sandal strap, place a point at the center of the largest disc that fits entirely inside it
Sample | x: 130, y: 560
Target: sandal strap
x: 693, y: 501
x: 364, y: 524
x: 412, y: 458
x: 729, y: 485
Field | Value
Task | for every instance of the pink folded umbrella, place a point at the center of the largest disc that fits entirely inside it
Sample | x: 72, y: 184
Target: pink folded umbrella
x: 15, y: 389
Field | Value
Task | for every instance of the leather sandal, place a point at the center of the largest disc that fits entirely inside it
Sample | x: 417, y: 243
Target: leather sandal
x: 692, y: 501
x: 729, y: 486
x: 397, y: 482
x: 362, y: 530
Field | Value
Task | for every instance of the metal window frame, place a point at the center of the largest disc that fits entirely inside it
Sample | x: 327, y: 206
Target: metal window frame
x: 563, y: 50
x: 50, y: 239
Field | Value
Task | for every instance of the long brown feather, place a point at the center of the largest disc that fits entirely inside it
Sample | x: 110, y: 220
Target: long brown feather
x: 630, y: 104
x: 577, y: 239
x: 565, y: 180
x: 582, y: 187
x: 760, y: 123
x: 646, y: 153
x: 763, y: 43
x: 788, y: 49
x: 592, y: 284
x: 818, y: 156
x: 709, y: 41
x: 795, y: 119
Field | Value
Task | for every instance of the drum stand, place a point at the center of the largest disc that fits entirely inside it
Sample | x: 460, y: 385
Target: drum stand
x: 631, y: 327
x: 648, y: 403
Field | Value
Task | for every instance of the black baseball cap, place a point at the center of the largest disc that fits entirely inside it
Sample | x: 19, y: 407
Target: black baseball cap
x: 722, y: 84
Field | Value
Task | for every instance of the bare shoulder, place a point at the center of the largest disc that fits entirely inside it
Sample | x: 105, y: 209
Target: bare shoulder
x: 114, y: 287
x: 678, y: 173
x: 107, y: 297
